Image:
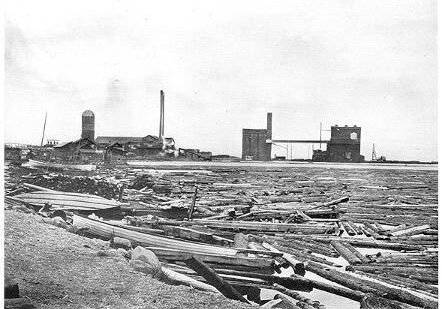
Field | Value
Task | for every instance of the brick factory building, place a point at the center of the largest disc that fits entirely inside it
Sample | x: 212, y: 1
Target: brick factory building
x: 344, y: 144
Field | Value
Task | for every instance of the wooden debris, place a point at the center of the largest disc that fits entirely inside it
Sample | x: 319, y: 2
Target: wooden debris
x: 367, y: 286
x: 345, y: 252
x: 213, y: 279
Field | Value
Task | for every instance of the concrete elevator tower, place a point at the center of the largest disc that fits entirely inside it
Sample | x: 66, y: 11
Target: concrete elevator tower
x: 88, y: 125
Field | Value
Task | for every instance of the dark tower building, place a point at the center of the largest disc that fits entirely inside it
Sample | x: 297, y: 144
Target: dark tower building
x: 254, y: 142
x: 88, y: 125
x: 345, y: 144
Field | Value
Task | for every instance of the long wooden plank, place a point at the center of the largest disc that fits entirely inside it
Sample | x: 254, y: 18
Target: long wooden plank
x: 69, y: 204
x: 68, y: 195
x: 147, y: 240
x: 61, y: 201
x: 257, y: 226
x: 173, y: 255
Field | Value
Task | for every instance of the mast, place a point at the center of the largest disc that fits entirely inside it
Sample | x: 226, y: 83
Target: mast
x: 44, y: 128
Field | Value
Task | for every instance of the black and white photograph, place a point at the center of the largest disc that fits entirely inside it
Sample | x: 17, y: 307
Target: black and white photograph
x: 220, y: 154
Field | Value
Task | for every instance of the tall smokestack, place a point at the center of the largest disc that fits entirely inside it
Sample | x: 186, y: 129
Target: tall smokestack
x: 161, y: 133
x: 269, y: 125
x: 268, y: 147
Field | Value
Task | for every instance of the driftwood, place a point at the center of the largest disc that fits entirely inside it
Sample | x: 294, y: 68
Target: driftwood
x: 404, y: 282
x: 274, y: 303
x: 214, y: 279
x: 310, y: 245
x: 192, y: 205
x: 359, y: 255
x: 427, y: 275
x: 308, y: 303
x: 178, y: 278
x: 368, y: 286
x: 356, y: 228
x: 192, y: 234
x: 371, y: 301
x: 345, y: 252
x: 217, y: 260
x: 257, y: 226
x: 288, y: 282
x: 331, y: 288
x: 298, y: 266
x: 147, y: 240
x: 411, y: 230
x: 302, y: 256
x: 359, y: 242
x: 334, y: 202
x: 350, y: 231
x: 241, y: 241
x: 288, y: 302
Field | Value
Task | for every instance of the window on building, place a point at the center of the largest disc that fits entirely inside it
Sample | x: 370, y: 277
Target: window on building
x: 354, y: 135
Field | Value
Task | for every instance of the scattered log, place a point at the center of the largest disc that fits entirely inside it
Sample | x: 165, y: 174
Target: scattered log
x: 274, y: 303
x: 258, y: 226
x: 214, y: 279
x: 103, y: 229
x: 311, y: 245
x: 334, y: 202
x: 217, y: 260
x: 331, y: 288
x: 345, y: 252
x: 192, y: 205
x: 355, y: 227
x: 298, y: 266
x: 241, y: 241
x: 404, y: 282
x: 288, y: 282
x: 350, y: 231
x: 359, y: 242
x: 303, y: 257
x: 192, y: 234
x: 426, y: 275
x: 411, y: 230
x: 371, y: 229
x: 371, y: 301
x: 367, y: 286
x: 177, y: 278
x: 288, y: 302
x: 359, y: 255
x: 309, y: 303
x: 297, y: 244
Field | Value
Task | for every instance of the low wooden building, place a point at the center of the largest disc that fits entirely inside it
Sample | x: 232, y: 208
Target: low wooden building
x: 81, y: 150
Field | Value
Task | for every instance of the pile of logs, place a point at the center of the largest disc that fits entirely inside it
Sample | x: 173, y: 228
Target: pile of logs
x: 375, y: 236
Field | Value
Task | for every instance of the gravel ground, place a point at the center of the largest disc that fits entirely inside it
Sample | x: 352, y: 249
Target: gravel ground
x: 57, y: 269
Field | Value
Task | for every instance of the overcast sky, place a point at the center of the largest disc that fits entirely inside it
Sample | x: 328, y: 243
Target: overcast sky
x: 223, y: 65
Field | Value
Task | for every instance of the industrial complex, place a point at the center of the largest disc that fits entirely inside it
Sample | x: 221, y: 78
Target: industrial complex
x: 343, y: 146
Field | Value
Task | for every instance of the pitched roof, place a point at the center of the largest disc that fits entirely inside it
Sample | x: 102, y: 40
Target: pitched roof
x: 78, y: 141
x: 117, y: 139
